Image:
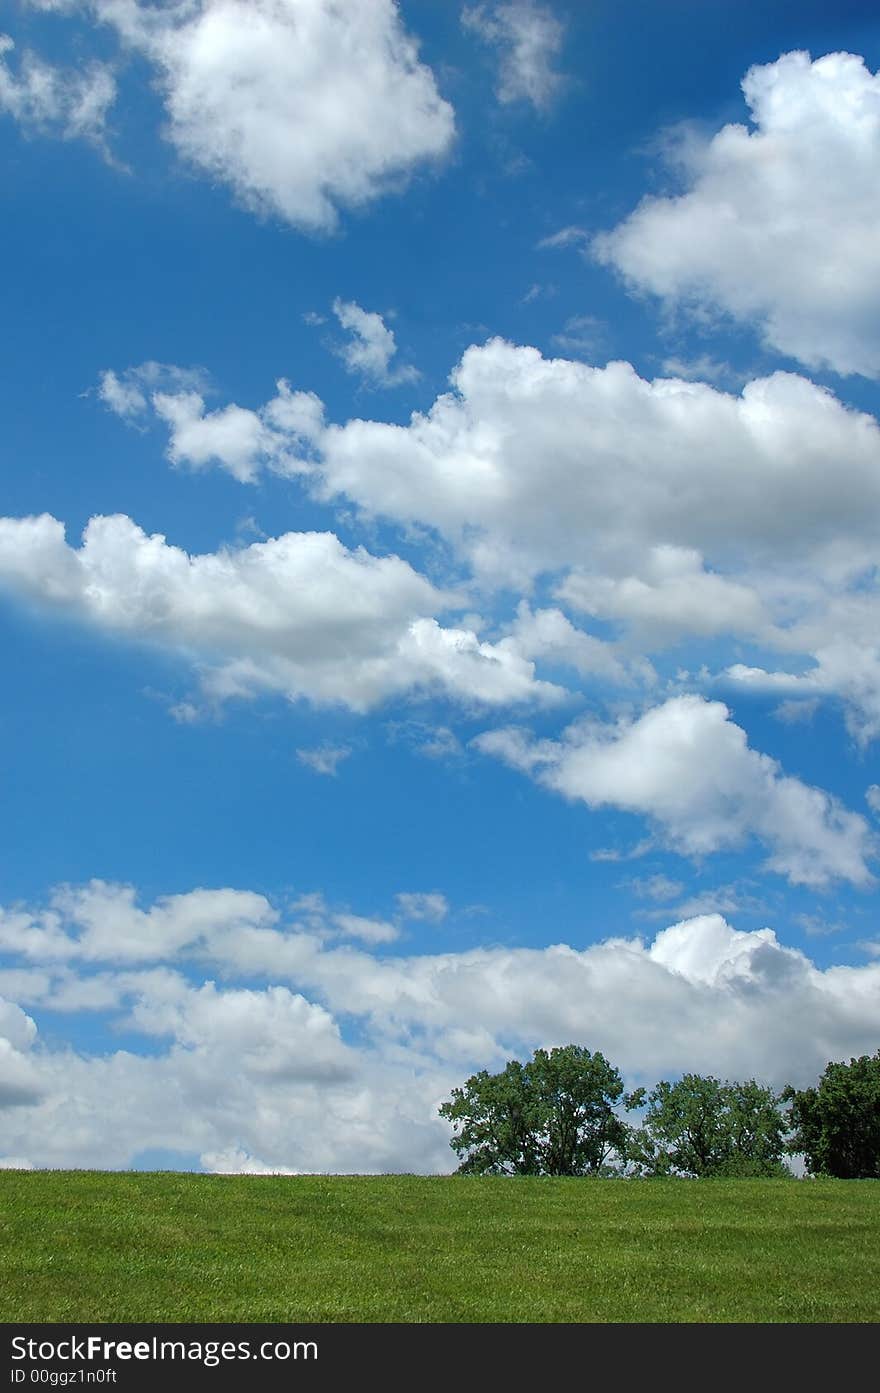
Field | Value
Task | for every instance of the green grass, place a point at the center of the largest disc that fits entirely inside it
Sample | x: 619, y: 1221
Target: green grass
x: 104, y: 1246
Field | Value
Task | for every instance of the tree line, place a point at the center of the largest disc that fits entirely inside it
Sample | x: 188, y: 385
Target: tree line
x: 560, y: 1114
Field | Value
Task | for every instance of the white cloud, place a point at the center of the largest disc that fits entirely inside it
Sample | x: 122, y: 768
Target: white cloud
x: 324, y: 759
x: 371, y: 347
x: 706, y: 951
x: 531, y: 464
x: 123, y: 398
x: 262, y: 1079
x: 23, y: 984
x: 703, y: 368
x: 778, y: 224
x: 688, y: 767
x: 47, y: 100
x: 299, y: 615
x: 20, y: 1080
x: 367, y: 930
x: 186, y: 713
x: 435, y: 742
x: 571, y: 236
x: 847, y: 665
x: 656, y: 887
x: 235, y: 1161
x: 581, y: 334
x: 671, y: 509
x: 302, y: 107
x: 797, y: 712
x: 720, y: 899
x: 674, y: 595
x: 128, y: 394
x: 528, y: 37
x: 548, y: 634
x: 492, y: 673
x: 16, y: 1027
x: 272, y: 1034
x: 101, y: 922
x: 535, y: 464
x: 276, y: 437
x: 431, y: 906
x: 441, y: 743
x: 872, y: 797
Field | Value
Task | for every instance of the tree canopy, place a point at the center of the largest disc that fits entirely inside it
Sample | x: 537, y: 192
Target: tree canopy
x: 700, y: 1126
x: 552, y: 1116
x: 837, y: 1124
x: 559, y: 1114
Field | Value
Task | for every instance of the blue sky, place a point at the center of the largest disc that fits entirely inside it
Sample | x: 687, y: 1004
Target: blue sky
x: 438, y: 561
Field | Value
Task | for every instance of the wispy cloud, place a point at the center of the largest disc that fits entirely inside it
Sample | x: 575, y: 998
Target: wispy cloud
x: 324, y: 759
x: 528, y: 37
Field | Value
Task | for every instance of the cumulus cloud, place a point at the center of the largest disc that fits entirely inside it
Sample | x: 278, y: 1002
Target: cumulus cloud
x: 534, y: 464
x: 370, y: 347
x: 273, y: 1034
x: 301, y: 107
x: 263, y: 1078
x: 301, y: 614
x: 16, y: 1026
x: 70, y: 103
x: 276, y: 437
x: 674, y: 595
x: 549, y: 635
x: 102, y: 922
x: 778, y: 223
x: 687, y: 767
x: 528, y: 37
x: 670, y: 509
x: 20, y: 1082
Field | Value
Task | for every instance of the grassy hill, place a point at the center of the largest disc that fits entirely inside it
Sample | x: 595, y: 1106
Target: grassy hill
x: 104, y: 1246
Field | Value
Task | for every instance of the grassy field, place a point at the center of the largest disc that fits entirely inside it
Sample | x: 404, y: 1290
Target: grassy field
x: 103, y: 1246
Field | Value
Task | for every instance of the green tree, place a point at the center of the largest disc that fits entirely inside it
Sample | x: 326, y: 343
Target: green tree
x: 837, y: 1124
x: 702, y: 1127
x: 552, y: 1116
